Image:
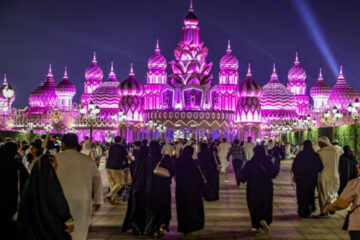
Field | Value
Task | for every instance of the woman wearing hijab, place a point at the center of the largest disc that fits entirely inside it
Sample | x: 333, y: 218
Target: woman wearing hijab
x: 44, y: 212
x: 12, y: 172
x: 208, y: 162
x: 158, y: 203
x: 34, y: 154
x: 136, y: 211
x: 348, y: 168
x: 189, y: 203
x: 258, y: 173
x: 305, y: 168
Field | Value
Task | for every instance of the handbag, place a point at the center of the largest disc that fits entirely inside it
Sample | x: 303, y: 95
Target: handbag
x: 202, y: 174
x: 346, y: 221
x: 161, y: 171
x: 15, y: 216
x: 218, y: 166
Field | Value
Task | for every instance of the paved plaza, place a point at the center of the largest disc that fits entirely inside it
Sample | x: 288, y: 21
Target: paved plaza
x: 229, y: 217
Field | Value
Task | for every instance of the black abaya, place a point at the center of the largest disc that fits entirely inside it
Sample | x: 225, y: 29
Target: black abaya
x: 136, y: 210
x: 189, y: 203
x: 258, y: 173
x: 306, y: 167
x: 209, y: 167
x: 348, y: 169
x: 43, y: 209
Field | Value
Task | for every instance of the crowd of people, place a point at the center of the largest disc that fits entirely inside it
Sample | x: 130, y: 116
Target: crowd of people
x: 54, y: 186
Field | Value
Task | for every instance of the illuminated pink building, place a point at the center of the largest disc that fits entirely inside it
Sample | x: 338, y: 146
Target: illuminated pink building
x: 320, y: 93
x: 5, y: 103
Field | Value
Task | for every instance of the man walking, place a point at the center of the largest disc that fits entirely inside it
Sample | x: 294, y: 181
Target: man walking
x: 249, y: 149
x: 79, y: 178
x: 115, y: 165
x: 223, y: 150
x: 238, y: 159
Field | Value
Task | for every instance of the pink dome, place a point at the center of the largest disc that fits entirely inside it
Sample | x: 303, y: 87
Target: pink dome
x: 320, y: 88
x: 157, y: 61
x: 341, y: 95
x: 191, y: 18
x: 94, y: 72
x: 107, y: 95
x: 296, y: 73
x: 65, y: 87
x: 229, y: 61
x: 131, y: 86
x: 248, y: 87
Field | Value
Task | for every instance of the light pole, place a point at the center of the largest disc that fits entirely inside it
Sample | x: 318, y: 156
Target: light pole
x: 161, y: 129
x: 151, y: 125
x: 30, y: 127
x: 333, y: 117
x: 90, y: 114
x: 354, y: 111
x: 120, y: 118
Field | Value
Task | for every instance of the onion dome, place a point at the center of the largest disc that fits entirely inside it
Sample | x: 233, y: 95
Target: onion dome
x: 191, y: 18
x: 229, y: 61
x: 320, y: 89
x: 277, y: 102
x: 157, y: 61
x: 296, y: 73
x: 107, y: 94
x: 3, y: 86
x: 94, y: 72
x: 131, y: 86
x: 248, y: 87
x: 65, y: 87
x: 341, y: 95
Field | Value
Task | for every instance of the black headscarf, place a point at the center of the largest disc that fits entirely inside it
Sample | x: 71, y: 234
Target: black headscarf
x: 43, y: 209
x: 308, y: 146
x: 260, y: 154
x: 8, y: 152
x: 154, y: 152
x: 347, y: 150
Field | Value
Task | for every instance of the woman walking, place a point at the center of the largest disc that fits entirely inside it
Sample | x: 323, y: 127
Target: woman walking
x: 189, y: 203
x: 44, y: 212
x: 158, y: 193
x: 258, y: 173
x: 208, y: 162
x: 305, y: 168
x: 347, y: 168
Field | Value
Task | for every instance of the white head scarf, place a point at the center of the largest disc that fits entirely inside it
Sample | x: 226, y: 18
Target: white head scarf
x: 324, y: 140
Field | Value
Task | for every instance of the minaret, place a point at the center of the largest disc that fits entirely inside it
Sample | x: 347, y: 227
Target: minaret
x: 229, y: 68
x: 191, y: 32
x: 157, y: 67
x: 320, y: 93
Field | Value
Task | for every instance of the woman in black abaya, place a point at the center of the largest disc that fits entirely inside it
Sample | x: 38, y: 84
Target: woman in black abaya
x: 189, y: 203
x: 305, y: 168
x: 348, y: 168
x: 44, y: 212
x: 208, y: 163
x: 158, y: 203
x: 136, y: 211
x: 258, y: 173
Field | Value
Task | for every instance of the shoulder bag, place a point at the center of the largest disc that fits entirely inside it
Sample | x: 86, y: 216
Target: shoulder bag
x: 161, y: 171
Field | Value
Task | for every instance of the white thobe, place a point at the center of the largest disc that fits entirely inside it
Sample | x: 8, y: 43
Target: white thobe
x: 79, y: 177
x: 329, y: 180
x: 167, y: 149
x: 223, y: 151
x: 339, y: 149
x: 249, y: 150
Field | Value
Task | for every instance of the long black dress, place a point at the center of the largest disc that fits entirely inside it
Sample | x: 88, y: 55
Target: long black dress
x: 135, y: 218
x: 258, y: 173
x: 306, y: 167
x: 207, y: 162
x: 43, y: 209
x: 158, y: 212
x: 189, y: 203
x: 9, y: 166
x: 347, y: 168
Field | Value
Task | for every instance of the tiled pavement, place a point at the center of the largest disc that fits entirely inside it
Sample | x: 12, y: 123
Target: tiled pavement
x: 229, y: 218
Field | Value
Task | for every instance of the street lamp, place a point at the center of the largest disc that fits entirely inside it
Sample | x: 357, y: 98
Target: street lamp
x: 120, y: 118
x: 30, y: 127
x: 161, y: 129
x: 354, y: 112
x: 333, y: 117
x: 151, y: 125
x: 90, y: 113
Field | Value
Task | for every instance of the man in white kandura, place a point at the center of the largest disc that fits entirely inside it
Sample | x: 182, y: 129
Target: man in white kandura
x: 329, y: 180
x: 223, y: 151
x: 79, y: 178
x: 249, y: 149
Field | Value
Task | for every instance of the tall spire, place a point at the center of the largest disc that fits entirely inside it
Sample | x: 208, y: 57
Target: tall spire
x: 112, y: 72
x: 274, y: 77
x: 249, y: 71
x: 5, y: 80
x: 50, y: 71
x: 341, y: 75
x: 296, y: 59
x: 157, y: 49
x: 94, y: 58
x: 131, y: 70
x: 320, y: 75
x: 65, y: 73
x: 191, y: 9
x: 229, y: 46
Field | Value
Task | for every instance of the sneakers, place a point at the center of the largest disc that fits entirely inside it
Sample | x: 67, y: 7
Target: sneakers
x: 265, y: 226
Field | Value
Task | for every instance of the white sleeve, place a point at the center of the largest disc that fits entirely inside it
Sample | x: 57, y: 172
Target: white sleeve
x: 97, y: 186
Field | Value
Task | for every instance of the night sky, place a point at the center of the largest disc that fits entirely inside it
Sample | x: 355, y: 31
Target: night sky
x: 65, y: 33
